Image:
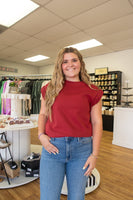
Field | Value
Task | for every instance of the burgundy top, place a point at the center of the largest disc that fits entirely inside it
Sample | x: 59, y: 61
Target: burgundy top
x: 71, y: 110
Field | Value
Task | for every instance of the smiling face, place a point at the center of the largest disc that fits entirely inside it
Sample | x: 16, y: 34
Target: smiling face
x: 71, y: 67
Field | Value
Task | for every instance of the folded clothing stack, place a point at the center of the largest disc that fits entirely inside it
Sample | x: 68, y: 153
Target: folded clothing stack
x: 31, y: 165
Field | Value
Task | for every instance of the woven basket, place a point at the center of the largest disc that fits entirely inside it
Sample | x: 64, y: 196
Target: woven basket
x: 2, y: 173
x: 12, y: 173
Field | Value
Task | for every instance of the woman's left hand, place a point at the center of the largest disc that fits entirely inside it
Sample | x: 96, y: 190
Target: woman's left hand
x: 90, y: 163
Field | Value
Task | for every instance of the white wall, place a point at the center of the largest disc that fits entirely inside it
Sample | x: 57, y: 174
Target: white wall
x: 46, y: 70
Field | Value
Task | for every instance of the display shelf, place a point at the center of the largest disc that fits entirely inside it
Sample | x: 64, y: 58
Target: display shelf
x: 19, y: 137
x: 111, y: 85
x: 127, y: 102
x: 17, y: 181
x: 22, y: 179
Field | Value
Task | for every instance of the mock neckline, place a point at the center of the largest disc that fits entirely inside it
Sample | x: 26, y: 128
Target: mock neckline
x: 73, y: 82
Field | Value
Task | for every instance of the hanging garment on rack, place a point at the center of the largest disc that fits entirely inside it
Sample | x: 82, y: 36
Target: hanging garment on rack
x: 30, y: 84
x: 1, y: 91
x: 35, y: 96
x: 23, y: 88
x: 25, y: 107
x: 6, y: 102
x: 43, y: 84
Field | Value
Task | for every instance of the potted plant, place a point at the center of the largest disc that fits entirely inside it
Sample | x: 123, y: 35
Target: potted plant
x: 13, y: 87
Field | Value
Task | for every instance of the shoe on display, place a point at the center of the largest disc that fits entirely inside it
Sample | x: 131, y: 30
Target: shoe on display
x: 12, y: 164
x: 31, y: 162
x: 3, y: 144
x: 33, y: 156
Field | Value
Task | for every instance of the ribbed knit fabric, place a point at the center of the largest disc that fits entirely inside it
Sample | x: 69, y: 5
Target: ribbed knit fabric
x: 71, y: 110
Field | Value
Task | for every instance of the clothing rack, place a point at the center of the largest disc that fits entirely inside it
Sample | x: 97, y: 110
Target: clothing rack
x: 30, y: 76
x: 29, y: 84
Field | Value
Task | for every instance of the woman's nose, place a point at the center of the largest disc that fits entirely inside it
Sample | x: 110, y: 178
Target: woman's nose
x: 70, y: 63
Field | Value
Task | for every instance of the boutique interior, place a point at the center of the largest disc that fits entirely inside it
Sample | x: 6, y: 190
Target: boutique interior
x: 49, y: 26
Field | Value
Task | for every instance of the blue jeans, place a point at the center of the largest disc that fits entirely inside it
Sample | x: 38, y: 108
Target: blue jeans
x: 73, y: 153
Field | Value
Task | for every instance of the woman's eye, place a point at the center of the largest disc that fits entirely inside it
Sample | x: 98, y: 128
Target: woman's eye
x: 74, y: 60
x: 65, y: 61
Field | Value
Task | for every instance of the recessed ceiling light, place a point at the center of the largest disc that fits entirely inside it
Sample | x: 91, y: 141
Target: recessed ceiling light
x: 86, y: 44
x: 36, y: 58
x: 12, y: 11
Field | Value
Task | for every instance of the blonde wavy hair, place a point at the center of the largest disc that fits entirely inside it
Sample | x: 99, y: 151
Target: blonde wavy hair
x: 58, y: 78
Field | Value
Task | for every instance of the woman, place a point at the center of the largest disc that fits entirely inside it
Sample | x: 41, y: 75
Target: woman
x: 70, y: 115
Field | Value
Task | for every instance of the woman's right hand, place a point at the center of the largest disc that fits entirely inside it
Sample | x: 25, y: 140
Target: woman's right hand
x: 45, y: 141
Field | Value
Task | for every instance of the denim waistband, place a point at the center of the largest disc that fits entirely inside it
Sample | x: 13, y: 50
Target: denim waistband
x: 68, y: 139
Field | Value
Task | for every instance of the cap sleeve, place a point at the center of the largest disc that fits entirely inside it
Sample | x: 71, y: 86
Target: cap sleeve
x: 97, y: 95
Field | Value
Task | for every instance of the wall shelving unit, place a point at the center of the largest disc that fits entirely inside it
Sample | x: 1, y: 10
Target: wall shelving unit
x: 110, y: 83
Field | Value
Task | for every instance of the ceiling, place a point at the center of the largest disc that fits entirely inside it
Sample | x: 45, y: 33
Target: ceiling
x: 59, y: 23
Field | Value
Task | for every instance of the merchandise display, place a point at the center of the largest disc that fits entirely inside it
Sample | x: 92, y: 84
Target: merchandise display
x: 9, y: 168
x: 110, y: 83
x: 18, y: 135
x: 12, y: 169
x: 17, y: 128
x: 17, y: 181
x: 26, y: 95
x: 20, y: 104
x: 127, y: 102
x: 31, y: 165
x: 7, y: 122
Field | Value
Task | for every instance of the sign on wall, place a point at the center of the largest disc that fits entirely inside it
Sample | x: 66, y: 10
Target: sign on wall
x: 8, y: 69
x: 100, y: 71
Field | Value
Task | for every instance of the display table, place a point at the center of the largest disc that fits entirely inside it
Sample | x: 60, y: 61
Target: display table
x: 21, y: 180
x: 123, y: 127
x: 19, y: 137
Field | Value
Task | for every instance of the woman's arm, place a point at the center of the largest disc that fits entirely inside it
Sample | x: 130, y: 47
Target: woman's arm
x: 97, y: 128
x: 44, y: 139
x: 42, y: 119
x: 96, y: 120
